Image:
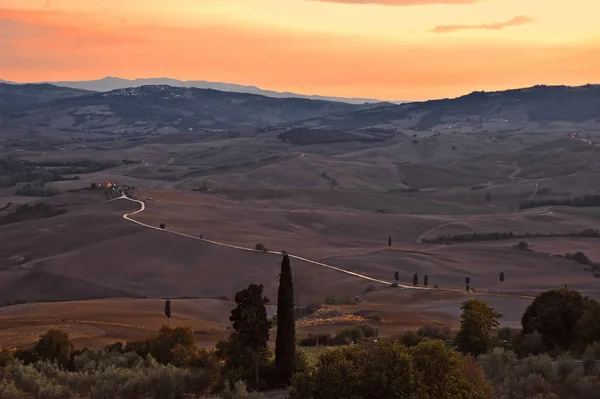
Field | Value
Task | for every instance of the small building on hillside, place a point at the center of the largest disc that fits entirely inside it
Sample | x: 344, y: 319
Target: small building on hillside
x: 103, y: 184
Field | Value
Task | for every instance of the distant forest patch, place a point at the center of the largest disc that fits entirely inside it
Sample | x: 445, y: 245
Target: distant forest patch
x: 587, y: 233
x: 588, y: 200
x: 14, y: 171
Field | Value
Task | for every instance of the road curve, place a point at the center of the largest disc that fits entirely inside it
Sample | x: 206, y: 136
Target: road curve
x: 127, y: 216
x: 143, y: 207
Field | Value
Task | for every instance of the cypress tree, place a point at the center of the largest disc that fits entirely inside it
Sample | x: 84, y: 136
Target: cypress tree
x: 285, y: 343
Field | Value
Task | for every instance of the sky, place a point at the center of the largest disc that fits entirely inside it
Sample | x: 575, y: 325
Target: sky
x: 385, y: 49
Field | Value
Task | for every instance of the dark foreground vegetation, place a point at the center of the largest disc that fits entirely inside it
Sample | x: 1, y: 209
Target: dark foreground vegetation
x: 585, y: 201
x: 30, y: 212
x: 555, y: 355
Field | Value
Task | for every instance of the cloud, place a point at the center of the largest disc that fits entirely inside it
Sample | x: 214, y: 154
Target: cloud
x: 516, y: 21
x: 401, y: 2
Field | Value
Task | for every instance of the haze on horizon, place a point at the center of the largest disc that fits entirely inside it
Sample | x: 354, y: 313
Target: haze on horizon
x: 385, y: 49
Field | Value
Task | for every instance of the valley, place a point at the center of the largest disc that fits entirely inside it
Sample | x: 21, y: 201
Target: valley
x: 327, y: 182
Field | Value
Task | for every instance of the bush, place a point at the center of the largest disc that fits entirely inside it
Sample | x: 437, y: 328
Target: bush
x: 389, y: 370
x: 261, y: 247
x: 316, y: 339
x: 409, y: 338
x: 162, y: 226
x: 8, y: 390
x: 564, y: 366
x: 589, y: 360
x: 531, y: 344
x: 370, y: 288
x: 435, y: 331
x: 350, y: 334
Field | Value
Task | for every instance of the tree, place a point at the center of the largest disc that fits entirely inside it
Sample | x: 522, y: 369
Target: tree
x: 250, y: 321
x: 426, y: 280
x: 501, y: 277
x: 162, y: 226
x: 396, y: 277
x: 488, y: 197
x: 477, y: 320
x: 285, y: 342
x: 468, y: 283
x: 554, y: 314
x: 55, y: 347
x: 168, y: 310
x: 587, y: 329
x: 389, y: 241
x: 415, y: 279
x: 523, y: 245
x: 388, y: 369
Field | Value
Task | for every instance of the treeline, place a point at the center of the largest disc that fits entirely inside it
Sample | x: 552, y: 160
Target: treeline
x: 587, y: 200
x: 29, y: 212
x: 14, y: 171
x: 586, y: 233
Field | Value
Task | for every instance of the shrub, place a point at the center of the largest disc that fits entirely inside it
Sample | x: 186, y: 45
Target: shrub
x: 389, y: 370
x: 435, y: 331
x: 260, y: 247
x: 505, y: 334
x: 8, y: 390
x: 531, y: 344
x: 370, y: 288
x: 350, y: 334
x: 409, y: 338
x: 162, y: 226
x: 316, y: 339
x: 564, y: 366
x: 589, y: 360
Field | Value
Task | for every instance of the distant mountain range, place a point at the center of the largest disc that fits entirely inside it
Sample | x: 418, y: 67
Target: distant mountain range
x: 166, y: 108
x: 112, y: 83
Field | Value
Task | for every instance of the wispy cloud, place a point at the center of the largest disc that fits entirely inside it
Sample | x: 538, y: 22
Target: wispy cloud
x: 402, y: 2
x: 516, y: 21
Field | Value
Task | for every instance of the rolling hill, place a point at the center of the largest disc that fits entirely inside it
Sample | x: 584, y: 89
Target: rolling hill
x: 112, y: 83
x: 540, y: 104
x: 154, y: 107
x: 14, y: 97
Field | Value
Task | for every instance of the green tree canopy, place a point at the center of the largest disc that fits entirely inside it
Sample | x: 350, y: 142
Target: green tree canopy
x: 390, y: 370
x: 554, y: 314
x: 477, y: 320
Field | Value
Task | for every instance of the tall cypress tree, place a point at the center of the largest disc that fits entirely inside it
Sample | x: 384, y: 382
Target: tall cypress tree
x: 285, y: 343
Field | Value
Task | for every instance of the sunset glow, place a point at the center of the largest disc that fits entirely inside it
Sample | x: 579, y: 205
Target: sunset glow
x: 387, y: 49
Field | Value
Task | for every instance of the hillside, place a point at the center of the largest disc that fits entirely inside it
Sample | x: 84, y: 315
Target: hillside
x: 535, y: 104
x: 150, y: 108
x: 113, y: 83
x: 14, y: 97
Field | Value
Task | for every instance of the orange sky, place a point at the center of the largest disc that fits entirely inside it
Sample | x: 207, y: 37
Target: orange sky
x: 387, y: 49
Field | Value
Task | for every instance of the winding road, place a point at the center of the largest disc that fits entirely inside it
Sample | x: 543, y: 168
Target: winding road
x: 128, y: 216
